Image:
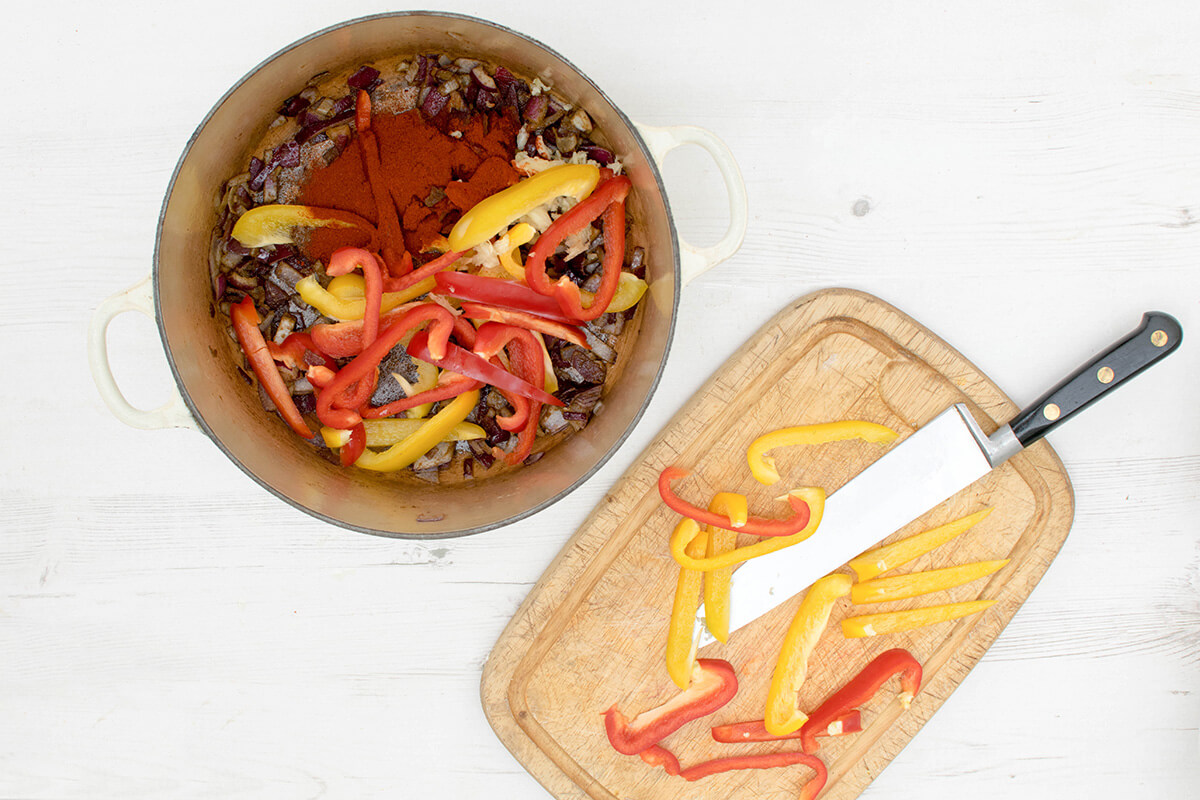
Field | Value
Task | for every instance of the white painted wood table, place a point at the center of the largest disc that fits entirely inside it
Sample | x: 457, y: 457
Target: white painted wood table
x: 1023, y: 178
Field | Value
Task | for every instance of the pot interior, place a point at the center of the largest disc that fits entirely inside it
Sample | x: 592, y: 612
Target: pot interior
x: 202, y: 355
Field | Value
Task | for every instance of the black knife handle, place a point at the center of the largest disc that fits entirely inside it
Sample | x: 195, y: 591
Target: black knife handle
x: 1157, y: 337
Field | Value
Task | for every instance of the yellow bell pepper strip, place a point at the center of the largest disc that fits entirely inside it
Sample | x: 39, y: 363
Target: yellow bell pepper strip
x: 899, y: 587
x: 344, y: 308
x: 630, y: 289
x: 387, y: 432
x: 783, y: 715
x: 688, y: 529
x: 713, y: 684
x: 493, y: 214
x: 896, y: 621
x: 276, y: 224
x: 718, y: 542
x: 415, y: 445
x: 681, y: 643
x: 758, y: 526
x: 510, y: 248
x: 890, y: 556
x: 756, y: 731
x: 245, y: 321
x: 762, y: 466
x: 860, y: 689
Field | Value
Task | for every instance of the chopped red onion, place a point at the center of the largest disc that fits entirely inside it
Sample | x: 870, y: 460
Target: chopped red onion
x: 433, y: 103
x: 600, y: 155
x: 293, y: 105
x: 363, y: 78
x: 535, y: 110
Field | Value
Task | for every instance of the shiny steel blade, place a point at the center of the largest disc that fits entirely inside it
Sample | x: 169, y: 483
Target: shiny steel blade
x: 928, y: 467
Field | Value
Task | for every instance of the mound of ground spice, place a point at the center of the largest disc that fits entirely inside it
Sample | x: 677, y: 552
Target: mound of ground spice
x: 431, y: 176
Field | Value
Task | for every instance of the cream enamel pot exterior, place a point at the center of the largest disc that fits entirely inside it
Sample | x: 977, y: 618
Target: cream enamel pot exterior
x: 215, y: 399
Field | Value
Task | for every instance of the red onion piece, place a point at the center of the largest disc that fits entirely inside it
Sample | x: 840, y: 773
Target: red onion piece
x: 363, y: 78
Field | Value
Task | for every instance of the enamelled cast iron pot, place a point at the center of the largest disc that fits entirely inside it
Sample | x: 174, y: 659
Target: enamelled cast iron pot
x: 215, y: 399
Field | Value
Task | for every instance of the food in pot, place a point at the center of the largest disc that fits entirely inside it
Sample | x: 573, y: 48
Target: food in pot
x: 434, y: 240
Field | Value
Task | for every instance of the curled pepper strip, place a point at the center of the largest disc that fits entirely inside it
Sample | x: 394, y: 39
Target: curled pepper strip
x: 276, y: 224
x: 245, y: 320
x: 896, y: 621
x: 681, y: 641
x: 762, y: 466
x: 687, y: 529
x: 344, y: 261
x: 659, y: 756
x: 611, y: 192
x: 525, y: 355
x: 860, y: 689
x: 900, y: 587
x: 890, y: 556
x: 432, y: 431
x: 783, y: 715
x: 568, y: 294
x: 344, y: 339
x: 718, y: 542
x: 365, y: 366
x: 713, y: 684
x: 758, y: 526
x: 756, y: 730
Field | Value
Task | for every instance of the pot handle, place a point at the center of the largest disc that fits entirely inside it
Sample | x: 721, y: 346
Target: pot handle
x: 694, y: 261
x: 171, y: 414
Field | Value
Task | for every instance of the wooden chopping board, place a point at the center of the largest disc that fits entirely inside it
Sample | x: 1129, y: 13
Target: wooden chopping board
x: 591, y: 633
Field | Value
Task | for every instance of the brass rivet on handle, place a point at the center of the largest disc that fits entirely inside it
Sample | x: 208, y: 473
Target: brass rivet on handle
x: 1158, y: 338
x: 1105, y: 375
x: 1051, y: 412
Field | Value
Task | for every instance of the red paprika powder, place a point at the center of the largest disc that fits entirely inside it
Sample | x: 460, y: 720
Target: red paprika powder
x: 431, y: 176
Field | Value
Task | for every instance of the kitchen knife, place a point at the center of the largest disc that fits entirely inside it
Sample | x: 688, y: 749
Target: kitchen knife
x: 944, y: 456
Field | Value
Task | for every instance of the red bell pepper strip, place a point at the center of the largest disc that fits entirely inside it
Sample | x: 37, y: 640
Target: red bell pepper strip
x: 391, y: 238
x: 344, y: 261
x: 295, y: 351
x: 523, y: 319
x: 659, y: 756
x: 365, y: 366
x: 861, y: 689
x: 344, y: 339
x: 499, y: 292
x: 354, y: 446
x: 443, y: 391
x: 713, y: 685
x: 758, y: 526
x: 245, y: 320
x: 464, y: 332
x: 464, y: 362
x: 612, y: 190
x: 756, y: 730
x: 567, y: 293
x: 525, y: 355
x: 415, y: 276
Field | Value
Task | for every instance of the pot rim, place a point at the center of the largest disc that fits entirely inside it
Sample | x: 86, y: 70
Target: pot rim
x: 654, y: 168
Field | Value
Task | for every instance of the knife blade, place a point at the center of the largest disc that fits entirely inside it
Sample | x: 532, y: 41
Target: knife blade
x: 943, y: 457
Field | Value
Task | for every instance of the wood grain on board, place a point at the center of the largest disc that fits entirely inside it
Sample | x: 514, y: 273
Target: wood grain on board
x: 591, y: 634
